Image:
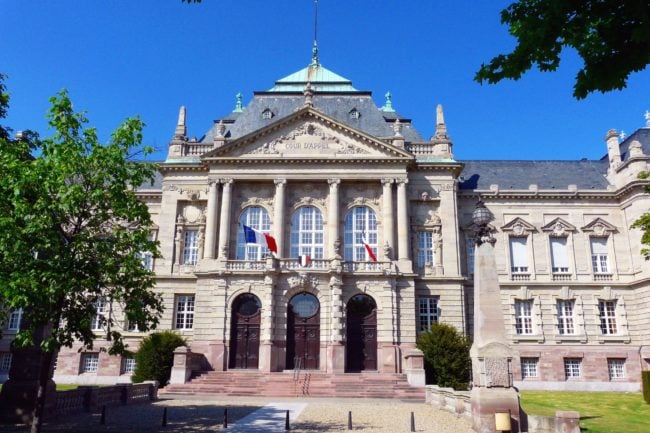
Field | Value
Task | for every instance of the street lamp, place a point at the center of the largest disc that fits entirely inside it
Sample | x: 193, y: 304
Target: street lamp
x: 481, y: 217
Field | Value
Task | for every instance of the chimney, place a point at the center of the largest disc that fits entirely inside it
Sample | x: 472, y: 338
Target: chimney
x: 181, y: 128
x: 613, y: 149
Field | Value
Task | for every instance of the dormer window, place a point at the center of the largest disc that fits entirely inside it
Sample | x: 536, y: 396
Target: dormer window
x: 354, y: 114
x: 267, y: 114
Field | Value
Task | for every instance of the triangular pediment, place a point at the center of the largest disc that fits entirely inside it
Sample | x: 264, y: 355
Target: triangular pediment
x: 599, y: 226
x: 519, y: 227
x: 559, y: 227
x: 308, y: 134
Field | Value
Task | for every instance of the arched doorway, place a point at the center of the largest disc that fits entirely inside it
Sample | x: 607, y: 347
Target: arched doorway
x: 361, y: 344
x: 245, y: 332
x: 303, y: 332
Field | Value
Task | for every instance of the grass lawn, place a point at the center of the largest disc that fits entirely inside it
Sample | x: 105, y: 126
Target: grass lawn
x: 600, y: 412
x: 60, y: 386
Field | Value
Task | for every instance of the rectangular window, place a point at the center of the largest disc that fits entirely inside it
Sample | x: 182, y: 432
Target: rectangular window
x: 469, y: 249
x: 89, y: 362
x: 128, y: 365
x: 599, y: 255
x: 607, y: 313
x: 565, y: 316
x: 132, y: 326
x: 425, y: 249
x: 184, y: 312
x: 427, y: 313
x: 190, y: 247
x: 529, y: 367
x: 572, y: 367
x: 5, y: 361
x: 99, y: 319
x: 15, y: 317
x: 616, y: 368
x: 518, y: 255
x: 524, y: 316
x: 559, y: 255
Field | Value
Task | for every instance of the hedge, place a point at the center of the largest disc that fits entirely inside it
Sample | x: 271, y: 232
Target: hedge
x: 645, y: 379
x: 155, y: 357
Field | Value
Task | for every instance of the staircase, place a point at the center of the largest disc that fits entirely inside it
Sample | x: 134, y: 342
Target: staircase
x: 299, y: 384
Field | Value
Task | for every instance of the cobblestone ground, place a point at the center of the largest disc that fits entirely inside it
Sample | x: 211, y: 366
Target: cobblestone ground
x: 206, y: 414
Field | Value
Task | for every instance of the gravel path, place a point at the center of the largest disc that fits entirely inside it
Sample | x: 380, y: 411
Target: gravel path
x: 201, y: 414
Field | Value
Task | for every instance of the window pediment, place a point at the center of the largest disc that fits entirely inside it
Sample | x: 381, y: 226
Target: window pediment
x: 599, y: 227
x: 559, y: 227
x: 519, y: 227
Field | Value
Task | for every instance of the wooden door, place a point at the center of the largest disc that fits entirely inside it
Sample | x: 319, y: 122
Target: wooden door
x: 361, y: 341
x: 303, y: 332
x: 245, y: 333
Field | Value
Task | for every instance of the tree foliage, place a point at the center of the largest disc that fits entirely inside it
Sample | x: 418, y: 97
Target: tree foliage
x: 611, y: 36
x: 155, y: 357
x: 643, y: 222
x: 71, y: 228
x: 446, y: 352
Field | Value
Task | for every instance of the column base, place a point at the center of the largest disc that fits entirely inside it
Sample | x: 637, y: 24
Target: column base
x: 266, y: 356
x: 336, y: 358
x: 389, y: 358
x: 488, y: 401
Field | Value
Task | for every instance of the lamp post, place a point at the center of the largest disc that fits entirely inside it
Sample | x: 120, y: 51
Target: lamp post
x: 492, y: 393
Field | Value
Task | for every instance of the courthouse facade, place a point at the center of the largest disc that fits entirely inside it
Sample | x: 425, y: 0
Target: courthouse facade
x: 318, y: 165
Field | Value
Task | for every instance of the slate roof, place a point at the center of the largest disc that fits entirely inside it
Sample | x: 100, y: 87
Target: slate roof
x: 642, y: 135
x: 156, y: 185
x: 587, y: 175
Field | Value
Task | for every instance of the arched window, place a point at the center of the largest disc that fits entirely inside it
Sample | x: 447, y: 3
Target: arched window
x: 307, y: 232
x: 256, y: 218
x: 360, y: 225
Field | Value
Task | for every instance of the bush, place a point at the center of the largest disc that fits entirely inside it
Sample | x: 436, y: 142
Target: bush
x: 154, y: 358
x: 645, y: 379
x: 446, y: 355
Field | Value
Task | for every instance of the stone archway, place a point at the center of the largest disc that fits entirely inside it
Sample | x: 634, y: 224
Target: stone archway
x: 361, y: 334
x: 245, y: 332
x: 303, y: 332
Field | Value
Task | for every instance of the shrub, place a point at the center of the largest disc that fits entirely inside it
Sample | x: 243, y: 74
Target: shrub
x: 446, y: 352
x: 154, y: 358
x: 645, y: 379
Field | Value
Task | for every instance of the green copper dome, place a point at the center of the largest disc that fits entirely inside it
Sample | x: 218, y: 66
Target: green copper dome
x: 320, y: 78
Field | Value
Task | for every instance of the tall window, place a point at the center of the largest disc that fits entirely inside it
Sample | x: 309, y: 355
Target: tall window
x: 524, y: 316
x: 184, y: 312
x: 518, y: 255
x: 572, y: 367
x: 616, y: 368
x: 427, y: 313
x: 425, y: 249
x: 607, y: 313
x: 307, y: 232
x: 128, y: 365
x: 256, y: 218
x: 146, y: 257
x: 559, y: 255
x: 15, y: 317
x: 599, y: 261
x: 191, y: 247
x: 99, y: 319
x: 360, y: 224
x: 89, y: 362
x: 529, y: 367
x: 565, y: 316
x: 5, y: 361
x: 470, y: 246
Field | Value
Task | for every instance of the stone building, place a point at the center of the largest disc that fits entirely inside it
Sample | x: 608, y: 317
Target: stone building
x: 319, y: 166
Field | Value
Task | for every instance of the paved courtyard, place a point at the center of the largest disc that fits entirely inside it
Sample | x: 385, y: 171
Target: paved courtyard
x: 252, y: 415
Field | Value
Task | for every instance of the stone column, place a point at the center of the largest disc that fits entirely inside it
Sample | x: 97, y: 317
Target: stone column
x: 211, y: 220
x: 224, y: 223
x: 268, y: 358
x: 333, y: 216
x: 402, y: 221
x: 336, y: 351
x: 278, y: 214
x: 388, y: 223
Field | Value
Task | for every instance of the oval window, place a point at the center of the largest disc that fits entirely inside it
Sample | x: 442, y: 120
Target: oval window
x: 304, y: 305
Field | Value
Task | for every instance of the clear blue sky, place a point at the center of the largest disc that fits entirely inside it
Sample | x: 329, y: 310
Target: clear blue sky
x: 124, y: 57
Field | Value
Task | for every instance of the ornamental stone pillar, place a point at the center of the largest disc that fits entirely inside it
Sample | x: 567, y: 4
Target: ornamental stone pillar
x: 278, y: 214
x: 211, y: 220
x: 224, y: 223
x: 336, y: 350
x: 268, y: 356
x: 333, y: 216
x: 402, y: 221
x: 389, y: 224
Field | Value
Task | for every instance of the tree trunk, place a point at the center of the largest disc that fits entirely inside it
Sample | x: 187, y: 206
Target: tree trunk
x: 45, y: 368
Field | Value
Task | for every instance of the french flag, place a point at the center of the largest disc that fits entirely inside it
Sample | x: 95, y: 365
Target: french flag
x: 304, y: 261
x: 369, y: 250
x: 252, y: 236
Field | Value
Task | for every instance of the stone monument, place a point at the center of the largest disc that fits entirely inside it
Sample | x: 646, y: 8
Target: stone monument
x: 492, y: 391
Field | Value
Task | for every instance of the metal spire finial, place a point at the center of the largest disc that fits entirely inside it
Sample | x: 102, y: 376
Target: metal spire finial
x: 388, y: 105
x: 314, y: 50
x: 647, y: 118
x: 238, y: 104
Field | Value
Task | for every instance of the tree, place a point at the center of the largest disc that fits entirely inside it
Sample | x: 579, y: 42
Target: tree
x: 446, y: 352
x: 155, y: 357
x: 611, y: 36
x: 71, y: 231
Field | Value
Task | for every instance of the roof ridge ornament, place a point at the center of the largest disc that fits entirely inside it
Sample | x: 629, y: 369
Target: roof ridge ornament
x: 239, y: 108
x: 309, y: 95
x: 181, y: 128
x: 314, y: 50
x: 647, y: 118
x: 388, y: 105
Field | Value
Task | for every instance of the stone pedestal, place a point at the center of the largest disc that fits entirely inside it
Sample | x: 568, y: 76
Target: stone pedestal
x: 414, y: 367
x: 182, y: 367
x: 488, y: 401
x: 336, y: 355
x: 265, y: 357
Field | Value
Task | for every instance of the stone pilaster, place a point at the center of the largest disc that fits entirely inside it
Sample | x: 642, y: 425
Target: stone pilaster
x: 388, y: 220
x: 403, y: 226
x: 211, y: 220
x: 336, y: 352
x: 278, y: 214
x: 224, y: 223
x: 333, y: 216
x: 267, y: 357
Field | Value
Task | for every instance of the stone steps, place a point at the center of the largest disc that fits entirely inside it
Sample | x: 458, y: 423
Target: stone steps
x: 313, y: 384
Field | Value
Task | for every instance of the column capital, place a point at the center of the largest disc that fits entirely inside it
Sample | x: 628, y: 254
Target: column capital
x: 280, y: 182
x: 213, y: 181
x: 402, y: 181
x: 334, y: 181
x: 226, y: 180
x: 387, y: 180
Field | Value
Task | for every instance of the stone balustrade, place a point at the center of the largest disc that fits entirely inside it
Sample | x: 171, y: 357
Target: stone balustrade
x: 91, y: 398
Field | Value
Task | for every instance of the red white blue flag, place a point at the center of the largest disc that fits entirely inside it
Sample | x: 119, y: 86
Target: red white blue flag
x: 304, y: 261
x: 252, y: 236
x: 371, y: 254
